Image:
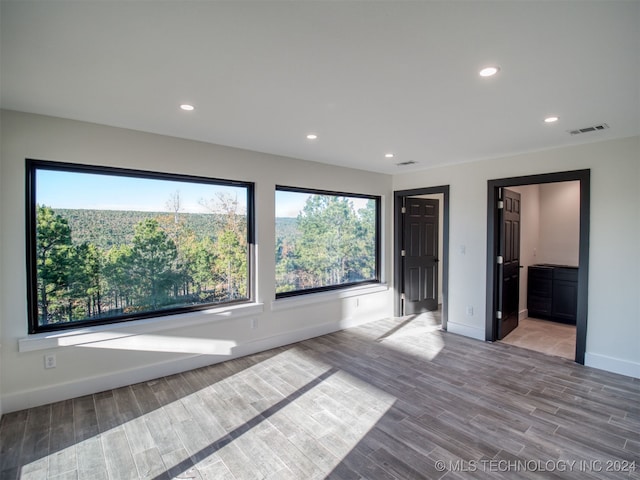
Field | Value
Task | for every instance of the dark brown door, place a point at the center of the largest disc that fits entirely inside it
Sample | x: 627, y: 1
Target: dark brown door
x: 508, y: 263
x: 420, y: 260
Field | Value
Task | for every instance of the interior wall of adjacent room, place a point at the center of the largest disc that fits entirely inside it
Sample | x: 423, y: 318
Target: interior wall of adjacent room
x: 559, y: 223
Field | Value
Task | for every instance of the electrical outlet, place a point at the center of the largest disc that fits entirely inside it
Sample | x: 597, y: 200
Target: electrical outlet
x: 254, y: 324
x: 50, y: 361
x: 470, y: 311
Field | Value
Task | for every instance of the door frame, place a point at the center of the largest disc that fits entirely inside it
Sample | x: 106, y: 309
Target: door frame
x: 398, y: 196
x: 584, y: 177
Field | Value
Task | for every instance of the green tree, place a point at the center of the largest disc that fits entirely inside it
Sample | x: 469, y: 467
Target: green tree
x: 231, y: 249
x: 89, y: 268
x: 176, y: 229
x: 152, y: 258
x: 117, y: 272
x: 231, y: 264
x: 328, y: 233
x: 362, y: 264
x: 286, y: 266
x: 200, y: 260
x: 53, y: 242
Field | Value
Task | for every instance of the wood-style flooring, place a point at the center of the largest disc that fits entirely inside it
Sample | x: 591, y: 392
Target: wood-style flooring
x: 393, y: 399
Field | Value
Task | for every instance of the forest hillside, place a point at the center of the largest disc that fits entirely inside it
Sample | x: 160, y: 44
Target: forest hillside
x: 115, y: 227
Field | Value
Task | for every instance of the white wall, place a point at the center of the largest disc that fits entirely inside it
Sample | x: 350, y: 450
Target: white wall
x: 559, y: 223
x: 613, y: 330
x: 118, y: 355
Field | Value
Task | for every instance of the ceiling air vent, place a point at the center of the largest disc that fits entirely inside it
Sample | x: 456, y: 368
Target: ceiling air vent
x: 593, y: 128
x: 404, y: 164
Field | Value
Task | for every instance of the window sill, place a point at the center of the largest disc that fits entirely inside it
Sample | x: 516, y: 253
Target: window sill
x: 100, y: 333
x: 303, y: 300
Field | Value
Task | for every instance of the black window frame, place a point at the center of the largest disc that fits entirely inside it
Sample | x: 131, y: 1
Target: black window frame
x: 33, y: 165
x: 378, y: 246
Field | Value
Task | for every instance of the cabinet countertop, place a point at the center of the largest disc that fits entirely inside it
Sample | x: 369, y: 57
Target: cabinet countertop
x: 553, y: 265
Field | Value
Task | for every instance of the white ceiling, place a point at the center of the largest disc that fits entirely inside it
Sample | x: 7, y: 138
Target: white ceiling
x: 367, y: 77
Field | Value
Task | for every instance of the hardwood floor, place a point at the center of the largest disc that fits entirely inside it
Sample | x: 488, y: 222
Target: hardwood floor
x: 544, y: 336
x: 392, y: 399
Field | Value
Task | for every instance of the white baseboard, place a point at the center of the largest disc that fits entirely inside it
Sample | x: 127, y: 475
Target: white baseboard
x: 610, y: 364
x: 522, y: 314
x: 466, y: 330
x: 87, y: 386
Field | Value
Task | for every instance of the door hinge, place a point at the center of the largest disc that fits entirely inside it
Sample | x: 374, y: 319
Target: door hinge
x: 499, y: 315
x: 500, y: 260
x: 403, y: 253
x: 404, y: 210
x: 402, y: 297
x: 500, y: 204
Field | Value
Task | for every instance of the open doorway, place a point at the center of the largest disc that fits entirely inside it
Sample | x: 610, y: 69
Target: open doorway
x: 537, y: 287
x: 421, y: 273
x: 549, y: 241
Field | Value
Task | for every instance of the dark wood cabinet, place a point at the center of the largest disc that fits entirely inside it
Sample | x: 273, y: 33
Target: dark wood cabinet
x: 540, y: 290
x: 552, y: 292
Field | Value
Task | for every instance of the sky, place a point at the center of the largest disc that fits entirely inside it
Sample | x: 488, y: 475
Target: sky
x: 73, y: 190
x: 289, y: 204
x: 76, y: 190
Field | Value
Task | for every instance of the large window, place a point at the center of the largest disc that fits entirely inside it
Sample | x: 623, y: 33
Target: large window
x: 325, y: 240
x: 108, y: 245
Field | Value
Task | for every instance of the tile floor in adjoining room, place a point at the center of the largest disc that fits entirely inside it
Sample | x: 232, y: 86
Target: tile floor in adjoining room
x: 544, y: 336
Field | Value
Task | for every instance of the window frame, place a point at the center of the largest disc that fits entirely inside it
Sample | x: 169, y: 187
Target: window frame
x: 31, y: 168
x: 378, y: 238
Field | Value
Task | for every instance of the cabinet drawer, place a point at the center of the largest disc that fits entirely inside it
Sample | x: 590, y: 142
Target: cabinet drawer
x: 566, y: 274
x: 541, y: 273
x: 541, y: 288
x: 539, y: 305
x: 540, y: 281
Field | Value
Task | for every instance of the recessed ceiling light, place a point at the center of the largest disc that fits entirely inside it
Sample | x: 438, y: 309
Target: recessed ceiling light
x: 551, y: 119
x: 489, y: 71
x: 389, y: 155
x: 312, y: 136
x: 187, y: 108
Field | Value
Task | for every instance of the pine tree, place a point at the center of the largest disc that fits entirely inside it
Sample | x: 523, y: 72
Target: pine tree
x: 53, y: 243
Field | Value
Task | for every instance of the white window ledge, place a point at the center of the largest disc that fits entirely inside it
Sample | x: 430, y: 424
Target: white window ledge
x: 100, y: 333
x: 322, y: 297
